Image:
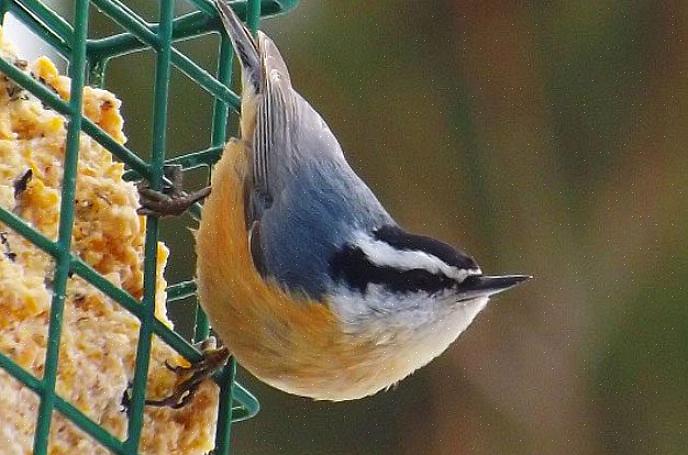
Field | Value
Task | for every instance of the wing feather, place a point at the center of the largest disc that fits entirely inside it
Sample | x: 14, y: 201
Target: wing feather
x: 271, y: 141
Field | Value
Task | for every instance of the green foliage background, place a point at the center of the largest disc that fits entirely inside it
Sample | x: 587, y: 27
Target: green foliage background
x: 542, y: 137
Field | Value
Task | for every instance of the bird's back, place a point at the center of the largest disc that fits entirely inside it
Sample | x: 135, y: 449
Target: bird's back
x: 318, y: 203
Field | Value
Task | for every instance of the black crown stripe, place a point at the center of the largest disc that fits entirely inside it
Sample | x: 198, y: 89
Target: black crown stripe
x: 402, y: 240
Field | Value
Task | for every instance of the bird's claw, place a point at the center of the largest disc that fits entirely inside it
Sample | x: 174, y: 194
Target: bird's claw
x: 173, y: 368
x: 189, y: 378
x: 177, y: 400
x: 172, y: 200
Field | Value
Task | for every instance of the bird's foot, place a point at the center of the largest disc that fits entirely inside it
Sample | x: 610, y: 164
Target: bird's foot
x: 189, y: 378
x: 172, y: 200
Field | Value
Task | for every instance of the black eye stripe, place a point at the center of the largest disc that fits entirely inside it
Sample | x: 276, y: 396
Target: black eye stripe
x: 351, y: 265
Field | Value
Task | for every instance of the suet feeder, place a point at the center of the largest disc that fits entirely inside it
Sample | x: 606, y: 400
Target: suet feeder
x: 87, y: 60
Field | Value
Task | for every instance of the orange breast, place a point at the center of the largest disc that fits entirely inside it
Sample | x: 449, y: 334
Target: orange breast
x: 293, y: 343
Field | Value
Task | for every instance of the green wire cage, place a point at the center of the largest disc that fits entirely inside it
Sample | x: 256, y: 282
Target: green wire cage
x: 87, y: 59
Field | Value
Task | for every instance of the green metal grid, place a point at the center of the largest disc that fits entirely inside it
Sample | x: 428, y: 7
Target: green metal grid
x: 88, y: 60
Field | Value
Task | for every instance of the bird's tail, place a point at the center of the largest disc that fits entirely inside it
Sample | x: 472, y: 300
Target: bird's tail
x: 265, y: 77
x: 244, y: 45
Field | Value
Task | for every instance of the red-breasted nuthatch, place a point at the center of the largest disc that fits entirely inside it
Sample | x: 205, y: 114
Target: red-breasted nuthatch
x: 306, y: 278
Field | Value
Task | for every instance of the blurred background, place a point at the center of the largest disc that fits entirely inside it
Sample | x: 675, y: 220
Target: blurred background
x: 542, y: 137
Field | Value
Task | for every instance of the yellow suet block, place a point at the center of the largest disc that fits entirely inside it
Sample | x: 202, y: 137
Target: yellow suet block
x: 98, y: 345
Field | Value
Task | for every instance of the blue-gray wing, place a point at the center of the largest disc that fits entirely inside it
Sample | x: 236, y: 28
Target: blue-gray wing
x: 303, y: 201
x: 274, y: 118
x: 317, y: 205
x: 266, y: 115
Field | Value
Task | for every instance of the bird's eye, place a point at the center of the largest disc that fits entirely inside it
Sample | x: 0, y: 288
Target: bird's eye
x: 423, y: 280
x: 352, y: 266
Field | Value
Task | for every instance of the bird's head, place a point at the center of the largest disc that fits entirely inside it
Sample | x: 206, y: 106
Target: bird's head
x: 391, y: 271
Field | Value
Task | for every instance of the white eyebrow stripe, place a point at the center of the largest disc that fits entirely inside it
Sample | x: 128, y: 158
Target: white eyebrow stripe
x: 383, y: 254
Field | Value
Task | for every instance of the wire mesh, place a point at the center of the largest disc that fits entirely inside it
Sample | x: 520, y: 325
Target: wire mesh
x: 88, y: 60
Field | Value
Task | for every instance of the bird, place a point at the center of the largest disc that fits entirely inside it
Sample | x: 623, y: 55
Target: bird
x: 309, y: 282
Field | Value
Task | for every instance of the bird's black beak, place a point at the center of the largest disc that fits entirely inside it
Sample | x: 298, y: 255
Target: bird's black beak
x: 483, y: 286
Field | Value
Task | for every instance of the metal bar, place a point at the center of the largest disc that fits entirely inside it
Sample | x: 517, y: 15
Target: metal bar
x: 268, y: 8
x: 223, y: 433
x: 223, y: 439
x: 90, y: 427
x: 18, y: 225
x: 188, y: 161
x: 60, y: 44
x: 51, y: 22
x: 116, y: 293
x: 20, y: 374
x: 201, y: 158
x: 128, y: 157
x: 4, y: 7
x: 181, y: 291
x: 63, y: 260
x: 220, y: 108
x: 54, y: 102
x: 129, y: 20
x: 134, y: 307
x: 139, y: 28
x: 201, y: 325
x: 223, y: 436
x: 96, y: 72
x: 162, y: 81
x: 35, y: 87
x: 250, y: 406
x: 184, y: 27
x: 196, y: 23
x: 204, y: 79
x: 239, y: 412
x: 39, y: 18
x: 218, y: 137
x: 253, y: 15
x: 76, y: 416
x: 93, y: 277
